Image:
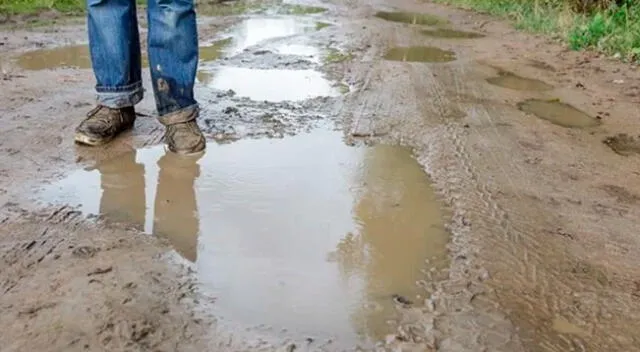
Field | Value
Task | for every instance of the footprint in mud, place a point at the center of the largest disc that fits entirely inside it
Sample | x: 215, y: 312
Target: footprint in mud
x: 623, y: 144
x: 451, y: 34
x: 541, y: 65
x: 558, y: 113
x: 510, y: 80
x: 411, y: 18
x: 419, y: 54
x: 621, y: 194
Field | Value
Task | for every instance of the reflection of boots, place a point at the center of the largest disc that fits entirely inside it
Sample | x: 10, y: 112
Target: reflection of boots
x: 176, y: 211
x: 122, y: 183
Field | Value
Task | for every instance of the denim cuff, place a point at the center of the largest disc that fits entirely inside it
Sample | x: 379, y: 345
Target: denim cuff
x: 186, y: 114
x: 117, y: 100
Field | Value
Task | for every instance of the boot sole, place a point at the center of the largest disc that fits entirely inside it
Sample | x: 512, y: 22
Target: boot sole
x: 187, y: 153
x: 83, y: 139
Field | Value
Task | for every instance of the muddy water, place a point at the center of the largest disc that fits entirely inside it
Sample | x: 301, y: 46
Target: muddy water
x: 451, y: 34
x: 78, y: 56
x: 558, y: 113
x: 269, y: 85
x: 247, y: 34
x: 420, y: 54
x: 411, y: 18
x: 513, y: 81
x: 258, y: 30
x: 296, y: 237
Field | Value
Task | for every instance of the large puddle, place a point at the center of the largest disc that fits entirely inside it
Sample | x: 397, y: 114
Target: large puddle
x: 296, y: 237
x: 558, y: 113
x: 420, y: 54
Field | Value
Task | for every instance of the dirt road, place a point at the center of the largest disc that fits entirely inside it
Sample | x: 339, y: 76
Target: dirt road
x: 307, y: 225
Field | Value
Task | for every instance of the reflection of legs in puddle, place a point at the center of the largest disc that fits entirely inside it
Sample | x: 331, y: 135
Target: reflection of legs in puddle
x: 123, y: 197
x: 176, y: 211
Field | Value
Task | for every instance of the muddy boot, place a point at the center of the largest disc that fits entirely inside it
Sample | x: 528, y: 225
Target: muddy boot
x: 103, y: 124
x: 183, y: 135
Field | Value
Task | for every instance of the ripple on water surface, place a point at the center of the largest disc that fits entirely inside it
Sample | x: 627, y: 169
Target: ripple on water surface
x: 303, y: 234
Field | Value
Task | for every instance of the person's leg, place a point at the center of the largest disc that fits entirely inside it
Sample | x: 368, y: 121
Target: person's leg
x: 114, y: 45
x: 173, y: 58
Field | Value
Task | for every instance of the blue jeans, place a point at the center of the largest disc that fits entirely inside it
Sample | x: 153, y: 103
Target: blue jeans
x: 114, y: 45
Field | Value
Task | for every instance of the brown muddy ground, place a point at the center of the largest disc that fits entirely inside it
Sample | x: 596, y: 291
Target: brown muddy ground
x: 542, y: 210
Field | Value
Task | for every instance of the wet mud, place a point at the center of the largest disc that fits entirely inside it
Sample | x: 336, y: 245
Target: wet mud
x: 345, y: 245
x: 283, y: 238
x: 558, y: 113
x: 512, y: 81
x: 411, y: 18
x: 623, y: 144
x: 451, y: 34
x: 419, y: 54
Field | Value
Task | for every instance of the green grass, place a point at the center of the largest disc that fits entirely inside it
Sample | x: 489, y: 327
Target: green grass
x: 614, y: 30
x: 34, y: 6
x: 24, y: 7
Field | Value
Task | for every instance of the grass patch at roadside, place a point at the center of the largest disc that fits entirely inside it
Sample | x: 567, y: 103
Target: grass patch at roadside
x: 29, y: 7
x: 19, y: 7
x: 609, y: 26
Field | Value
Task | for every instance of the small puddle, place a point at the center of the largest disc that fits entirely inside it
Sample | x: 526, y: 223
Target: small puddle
x: 420, y: 54
x: 451, y: 34
x: 213, y: 51
x: 296, y: 237
x: 513, y: 81
x: 76, y: 56
x: 564, y: 326
x: 558, y: 113
x: 411, y: 18
x: 272, y: 85
x: 257, y: 30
